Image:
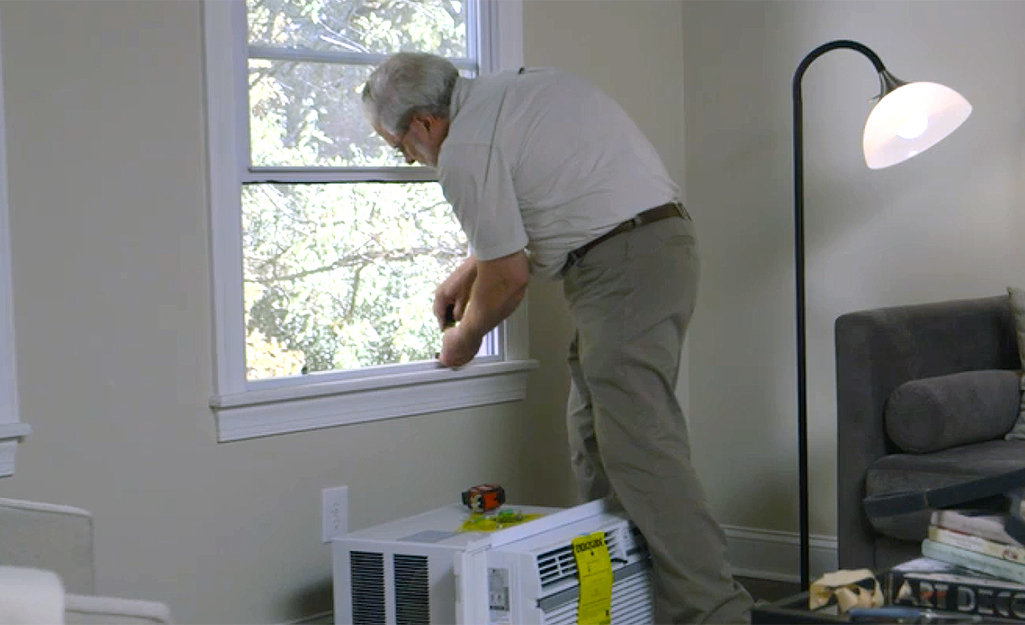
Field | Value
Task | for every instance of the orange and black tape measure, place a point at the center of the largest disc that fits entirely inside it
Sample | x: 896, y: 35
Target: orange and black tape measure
x: 484, y: 497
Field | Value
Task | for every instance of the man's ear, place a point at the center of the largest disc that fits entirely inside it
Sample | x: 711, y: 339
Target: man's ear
x: 433, y: 124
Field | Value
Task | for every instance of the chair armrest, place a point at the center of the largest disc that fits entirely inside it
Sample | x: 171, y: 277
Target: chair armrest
x: 96, y: 610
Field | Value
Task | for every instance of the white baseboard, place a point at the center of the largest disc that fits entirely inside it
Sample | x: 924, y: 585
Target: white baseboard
x: 774, y: 555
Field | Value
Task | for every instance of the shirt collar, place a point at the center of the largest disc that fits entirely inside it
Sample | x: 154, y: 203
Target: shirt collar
x: 460, y: 92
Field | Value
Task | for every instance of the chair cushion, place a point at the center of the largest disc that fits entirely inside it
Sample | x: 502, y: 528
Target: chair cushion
x: 29, y: 595
x: 899, y: 473
x: 937, y: 413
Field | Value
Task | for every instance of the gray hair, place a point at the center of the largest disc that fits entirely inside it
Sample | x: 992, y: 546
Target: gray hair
x: 405, y: 84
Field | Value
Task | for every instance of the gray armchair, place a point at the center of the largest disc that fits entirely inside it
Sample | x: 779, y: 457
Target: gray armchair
x: 879, y: 350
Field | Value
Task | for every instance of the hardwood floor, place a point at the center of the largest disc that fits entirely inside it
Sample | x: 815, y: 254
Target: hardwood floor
x: 768, y: 590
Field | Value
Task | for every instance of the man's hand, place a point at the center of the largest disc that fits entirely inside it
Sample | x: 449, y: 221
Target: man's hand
x: 452, y: 295
x: 458, y: 347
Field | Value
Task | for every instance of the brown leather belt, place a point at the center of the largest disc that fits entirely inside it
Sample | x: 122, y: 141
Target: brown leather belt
x: 672, y: 209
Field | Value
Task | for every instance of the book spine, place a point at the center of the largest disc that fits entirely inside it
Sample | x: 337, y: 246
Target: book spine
x: 986, y: 598
x: 1014, y: 553
x: 990, y: 527
x: 973, y: 560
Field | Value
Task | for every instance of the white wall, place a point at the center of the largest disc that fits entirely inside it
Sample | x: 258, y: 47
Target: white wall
x: 112, y: 310
x: 946, y: 224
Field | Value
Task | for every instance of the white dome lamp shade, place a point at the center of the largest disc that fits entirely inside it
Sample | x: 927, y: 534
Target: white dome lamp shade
x: 909, y: 119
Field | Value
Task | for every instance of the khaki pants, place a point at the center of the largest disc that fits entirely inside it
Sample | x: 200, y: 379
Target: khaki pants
x: 631, y: 298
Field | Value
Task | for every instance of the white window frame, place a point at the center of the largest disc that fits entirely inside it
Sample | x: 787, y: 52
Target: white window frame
x: 11, y: 430
x: 253, y: 408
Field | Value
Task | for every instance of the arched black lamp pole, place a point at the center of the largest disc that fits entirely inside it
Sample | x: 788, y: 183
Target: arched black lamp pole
x: 908, y: 119
x: 888, y: 83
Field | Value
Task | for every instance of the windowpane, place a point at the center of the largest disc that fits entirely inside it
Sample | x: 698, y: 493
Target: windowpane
x: 310, y: 114
x: 342, y: 276
x: 361, y: 26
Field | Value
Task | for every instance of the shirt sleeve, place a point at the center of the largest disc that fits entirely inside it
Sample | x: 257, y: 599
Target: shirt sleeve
x: 477, y: 181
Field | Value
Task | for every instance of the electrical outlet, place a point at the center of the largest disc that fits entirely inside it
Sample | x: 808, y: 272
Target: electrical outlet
x: 334, y: 505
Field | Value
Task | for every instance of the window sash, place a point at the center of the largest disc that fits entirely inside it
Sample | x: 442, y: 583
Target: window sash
x: 336, y: 174
x: 341, y: 58
x: 255, y: 174
x: 11, y: 430
x: 250, y: 408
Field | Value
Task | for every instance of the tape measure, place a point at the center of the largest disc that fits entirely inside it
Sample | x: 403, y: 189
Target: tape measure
x: 484, y: 497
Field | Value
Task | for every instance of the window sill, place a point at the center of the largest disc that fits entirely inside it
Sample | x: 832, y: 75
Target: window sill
x: 268, y: 412
x: 10, y: 435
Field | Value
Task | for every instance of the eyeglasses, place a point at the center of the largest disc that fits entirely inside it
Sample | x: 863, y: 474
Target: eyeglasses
x: 400, y: 145
x: 400, y: 142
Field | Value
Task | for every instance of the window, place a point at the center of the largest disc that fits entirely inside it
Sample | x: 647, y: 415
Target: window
x: 326, y: 246
x: 11, y: 431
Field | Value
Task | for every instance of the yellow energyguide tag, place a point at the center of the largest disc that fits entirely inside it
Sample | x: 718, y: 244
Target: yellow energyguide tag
x: 594, y: 570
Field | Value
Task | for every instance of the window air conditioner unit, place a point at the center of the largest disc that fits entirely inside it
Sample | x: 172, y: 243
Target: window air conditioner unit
x: 421, y: 570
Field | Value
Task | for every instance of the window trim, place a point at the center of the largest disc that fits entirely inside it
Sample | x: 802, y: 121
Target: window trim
x: 248, y: 409
x: 11, y: 430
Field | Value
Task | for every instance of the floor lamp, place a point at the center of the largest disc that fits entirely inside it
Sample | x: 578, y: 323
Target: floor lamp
x: 908, y: 119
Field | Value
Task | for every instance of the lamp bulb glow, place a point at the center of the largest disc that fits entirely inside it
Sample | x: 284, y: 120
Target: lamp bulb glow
x: 913, y: 127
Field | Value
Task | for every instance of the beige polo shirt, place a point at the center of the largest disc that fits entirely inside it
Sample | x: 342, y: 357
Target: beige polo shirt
x: 544, y: 161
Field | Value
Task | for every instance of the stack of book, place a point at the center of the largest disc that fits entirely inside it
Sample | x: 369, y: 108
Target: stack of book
x: 934, y: 587
x: 974, y: 564
x: 974, y: 560
x: 985, y: 541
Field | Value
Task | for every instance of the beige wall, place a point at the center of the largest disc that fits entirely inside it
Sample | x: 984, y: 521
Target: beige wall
x: 112, y: 278
x: 946, y: 224
x: 112, y: 305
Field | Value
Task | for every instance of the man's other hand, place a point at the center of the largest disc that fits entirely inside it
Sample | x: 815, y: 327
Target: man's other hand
x: 452, y: 295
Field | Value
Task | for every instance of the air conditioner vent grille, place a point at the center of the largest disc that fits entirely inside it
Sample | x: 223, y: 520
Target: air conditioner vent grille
x: 412, y: 590
x: 558, y: 564
x: 367, y: 575
x: 632, y: 604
